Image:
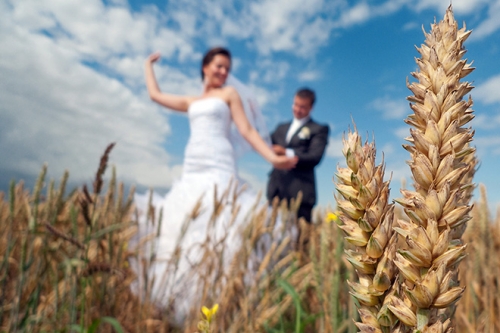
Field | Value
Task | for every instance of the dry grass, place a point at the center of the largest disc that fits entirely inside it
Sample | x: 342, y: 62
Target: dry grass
x: 58, y: 271
x: 479, y: 308
x: 64, y: 258
x: 65, y: 266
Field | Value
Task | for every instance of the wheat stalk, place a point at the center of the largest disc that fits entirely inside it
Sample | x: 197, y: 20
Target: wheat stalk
x: 442, y: 163
x: 366, y: 219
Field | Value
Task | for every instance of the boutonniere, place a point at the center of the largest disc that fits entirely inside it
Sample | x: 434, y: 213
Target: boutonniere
x: 305, y: 133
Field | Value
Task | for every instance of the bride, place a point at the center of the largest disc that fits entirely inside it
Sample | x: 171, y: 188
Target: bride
x: 209, y: 170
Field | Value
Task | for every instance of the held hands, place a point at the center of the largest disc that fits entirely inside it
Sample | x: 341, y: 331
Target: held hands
x: 278, y: 150
x: 285, y: 163
x: 281, y: 161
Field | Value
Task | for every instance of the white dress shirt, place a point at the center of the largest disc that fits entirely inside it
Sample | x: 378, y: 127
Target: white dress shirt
x: 296, y: 124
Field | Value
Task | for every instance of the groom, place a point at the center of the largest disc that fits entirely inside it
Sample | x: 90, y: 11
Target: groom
x: 305, y: 139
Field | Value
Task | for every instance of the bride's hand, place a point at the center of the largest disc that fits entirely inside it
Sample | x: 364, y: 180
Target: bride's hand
x: 285, y: 163
x: 153, y: 57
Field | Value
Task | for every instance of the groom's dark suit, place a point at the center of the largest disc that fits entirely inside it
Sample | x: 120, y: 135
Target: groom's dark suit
x: 309, y: 146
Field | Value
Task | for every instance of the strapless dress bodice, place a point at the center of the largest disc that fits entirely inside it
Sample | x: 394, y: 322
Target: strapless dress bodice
x: 209, y: 118
x: 209, y: 148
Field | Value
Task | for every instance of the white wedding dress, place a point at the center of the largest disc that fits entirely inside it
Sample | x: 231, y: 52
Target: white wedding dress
x: 209, y: 170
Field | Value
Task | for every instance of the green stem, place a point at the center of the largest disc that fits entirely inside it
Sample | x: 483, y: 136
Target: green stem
x: 422, y: 318
x: 335, y: 293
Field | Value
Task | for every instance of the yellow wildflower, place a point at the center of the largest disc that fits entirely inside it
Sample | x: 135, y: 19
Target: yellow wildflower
x: 209, y: 313
x: 331, y: 217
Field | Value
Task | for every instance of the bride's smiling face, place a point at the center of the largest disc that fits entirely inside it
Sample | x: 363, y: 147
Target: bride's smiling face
x: 217, y: 70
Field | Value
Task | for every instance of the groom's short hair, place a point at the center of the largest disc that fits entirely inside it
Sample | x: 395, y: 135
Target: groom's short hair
x: 306, y: 93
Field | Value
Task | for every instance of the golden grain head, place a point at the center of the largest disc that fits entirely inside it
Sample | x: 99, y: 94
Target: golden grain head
x: 402, y: 311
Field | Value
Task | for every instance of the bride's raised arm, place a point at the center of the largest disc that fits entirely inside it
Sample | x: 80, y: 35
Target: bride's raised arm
x: 250, y: 134
x: 175, y: 102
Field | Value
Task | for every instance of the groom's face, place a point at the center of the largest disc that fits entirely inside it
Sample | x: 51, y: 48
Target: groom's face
x: 301, y: 107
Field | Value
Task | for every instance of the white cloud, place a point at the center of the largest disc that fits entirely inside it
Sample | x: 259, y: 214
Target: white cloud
x: 363, y: 12
x: 395, y: 158
x: 389, y: 7
x: 486, y: 122
x: 313, y: 35
x: 286, y: 25
x: 355, y: 15
x: 386, y: 150
x: 400, y: 173
x: 410, y: 26
x: 402, y: 132
x: 186, y: 21
x: 309, y: 75
x: 459, y: 6
x: 218, y: 20
x: 390, y: 108
x: 490, y: 25
x: 270, y: 71
x: 491, y: 142
x: 264, y: 96
x: 487, y: 92
x: 54, y: 108
x: 123, y: 3
x: 334, y: 148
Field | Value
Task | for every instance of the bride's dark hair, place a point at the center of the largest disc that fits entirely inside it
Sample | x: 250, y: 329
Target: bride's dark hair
x: 210, y: 55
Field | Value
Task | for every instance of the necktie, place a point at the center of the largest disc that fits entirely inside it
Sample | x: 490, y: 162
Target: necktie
x: 291, y: 131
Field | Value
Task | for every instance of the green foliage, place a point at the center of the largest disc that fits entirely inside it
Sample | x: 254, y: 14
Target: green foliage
x: 299, y: 320
x: 96, y: 323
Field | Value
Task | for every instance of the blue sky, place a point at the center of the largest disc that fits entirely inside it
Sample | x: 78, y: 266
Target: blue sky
x: 71, y: 79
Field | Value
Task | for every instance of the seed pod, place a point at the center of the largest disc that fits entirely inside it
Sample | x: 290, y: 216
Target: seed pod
x: 402, y: 311
x: 446, y: 299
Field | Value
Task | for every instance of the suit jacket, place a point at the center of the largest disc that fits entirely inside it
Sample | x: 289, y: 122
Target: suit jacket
x: 309, y: 146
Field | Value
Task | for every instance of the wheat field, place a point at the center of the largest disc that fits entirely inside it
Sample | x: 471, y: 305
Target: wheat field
x: 65, y: 267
